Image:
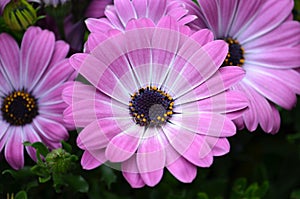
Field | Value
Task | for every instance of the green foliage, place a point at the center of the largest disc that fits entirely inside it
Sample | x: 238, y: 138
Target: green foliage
x: 253, y: 191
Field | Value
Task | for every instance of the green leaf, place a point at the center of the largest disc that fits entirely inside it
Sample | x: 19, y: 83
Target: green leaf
x: 41, y: 148
x: 20, y: 174
x: 66, y: 146
x: 108, y: 175
x: 40, y: 170
x: 21, y: 195
x: 44, y: 179
x: 262, y: 190
x: 240, y: 185
x: 77, y: 183
x: 202, y: 195
x: 295, y: 194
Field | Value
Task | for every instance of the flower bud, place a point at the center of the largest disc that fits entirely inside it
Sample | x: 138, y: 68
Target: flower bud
x: 59, y: 161
x: 19, y: 14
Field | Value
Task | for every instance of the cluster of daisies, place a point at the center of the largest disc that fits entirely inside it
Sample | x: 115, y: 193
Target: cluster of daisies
x: 166, y: 82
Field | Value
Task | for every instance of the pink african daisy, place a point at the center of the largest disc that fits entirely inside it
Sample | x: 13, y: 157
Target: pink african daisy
x: 119, y: 14
x: 156, y: 99
x: 32, y: 78
x: 263, y: 40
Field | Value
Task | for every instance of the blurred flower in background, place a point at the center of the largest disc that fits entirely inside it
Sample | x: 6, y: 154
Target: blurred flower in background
x: 18, y: 15
x: 122, y: 11
x: 32, y: 78
x: 264, y: 40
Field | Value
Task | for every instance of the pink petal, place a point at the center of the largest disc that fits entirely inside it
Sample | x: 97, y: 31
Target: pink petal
x: 94, y: 39
x: 287, y: 34
x: 226, y: 102
x: 96, y: 8
x: 210, y: 12
x: 151, y: 157
x: 111, y: 13
x: 98, y: 25
x: 31, y: 136
x: 97, y: 134
x: 131, y: 173
x: 202, y: 37
x: 97, y: 73
x: 220, y: 146
x: 49, y: 129
x: 152, y: 178
x: 141, y: 7
x: 226, y: 13
x: 156, y: 9
x: 272, y: 89
x: 183, y: 170
x: 85, y: 111
x: 199, y: 152
x: 197, y: 68
x: 14, y: 149
x: 260, y: 111
x: 139, y: 23
x: 168, y: 22
x: 272, y: 14
x: 125, y: 10
x: 93, y: 159
x: 276, y: 119
x: 205, y: 123
x: 58, y: 74
x: 9, y: 60
x: 5, y: 85
x: 36, y: 60
x: 245, y: 12
x: 61, y: 50
x: 3, y: 135
x: 279, y: 58
x: 250, y: 116
x: 223, y: 79
x: 124, y: 145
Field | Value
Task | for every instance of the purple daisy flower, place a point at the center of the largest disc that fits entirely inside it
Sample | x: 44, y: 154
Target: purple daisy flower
x: 264, y: 41
x: 119, y: 14
x: 156, y: 99
x: 31, y: 84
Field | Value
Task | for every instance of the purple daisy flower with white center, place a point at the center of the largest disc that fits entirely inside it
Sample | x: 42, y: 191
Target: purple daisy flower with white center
x: 264, y: 41
x: 32, y: 78
x: 119, y: 14
x: 156, y: 99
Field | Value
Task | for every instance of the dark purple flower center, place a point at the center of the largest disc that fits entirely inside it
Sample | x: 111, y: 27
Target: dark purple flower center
x: 151, y: 106
x: 235, y: 55
x: 19, y: 108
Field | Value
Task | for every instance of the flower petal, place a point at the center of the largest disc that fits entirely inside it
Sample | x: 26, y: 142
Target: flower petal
x: 131, y: 173
x: 183, y: 170
x: 125, y: 10
x: 49, y: 129
x: 35, y: 60
x: 272, y: 89
x: 205, y: 123
x: 98, y: 133
x: 14, y: 149
x: 124, y: 145
x: 93, y: 159
x: 9, y: 60
x: 267, y: 19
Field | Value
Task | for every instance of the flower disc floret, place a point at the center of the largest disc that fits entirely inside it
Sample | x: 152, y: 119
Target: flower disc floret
x: 151, y: 106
